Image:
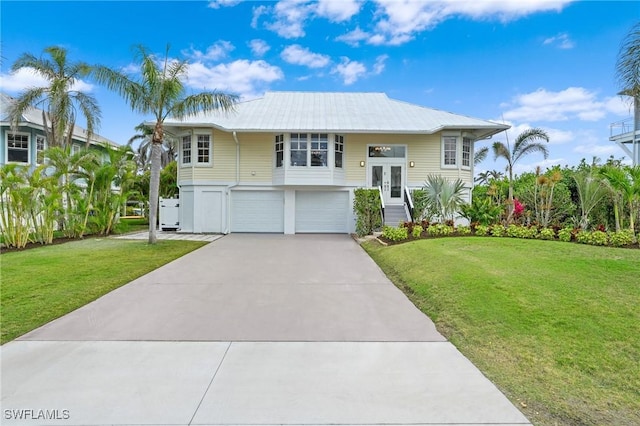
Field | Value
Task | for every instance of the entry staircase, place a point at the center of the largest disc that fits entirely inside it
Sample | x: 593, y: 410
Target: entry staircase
x: 393, y: 215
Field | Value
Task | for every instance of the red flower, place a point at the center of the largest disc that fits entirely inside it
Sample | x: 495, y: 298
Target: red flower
x: 518, y: 207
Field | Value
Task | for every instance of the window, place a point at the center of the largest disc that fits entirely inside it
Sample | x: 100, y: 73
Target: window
x: 279, y: 150
x: 40, y: 147
x: 449, y: 150
x: 319, y: 149
x: 186, y: 149
x: 298, y: 149
x: 75, y: 149
x: 392, y: 151
x: 204, y: 149
x: 466, y: 152
x: 17, y: 148
x: 339, y: 150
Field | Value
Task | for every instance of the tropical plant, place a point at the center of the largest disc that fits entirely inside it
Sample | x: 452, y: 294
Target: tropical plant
x: 443, y: 198
x: 591, y: 191
x: 484, y: 178
x: 482, y: 211
x: 160, y: 91
x: 143, y: 152
x: 366, y: 205
x: 59, y: 100
x: 480, y: 155
x: 527, y: 142
x: 628, y: 79
x: 15, y: 199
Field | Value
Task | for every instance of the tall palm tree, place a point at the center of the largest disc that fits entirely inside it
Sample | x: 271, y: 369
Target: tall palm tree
x: 143, y: 153
x: 527, y: 142
x: 58, y: 99
x: 160, y: 91
x: 628, y: 78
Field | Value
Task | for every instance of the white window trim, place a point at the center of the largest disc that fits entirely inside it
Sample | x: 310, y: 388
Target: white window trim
x: 457, y: 154
x: 275, y: 151
x: 182, y: 162
x: 209, y: 161
x: 44, y: 148
x: 342, y: 137
x: 462, y: 165
x: 6, y: 147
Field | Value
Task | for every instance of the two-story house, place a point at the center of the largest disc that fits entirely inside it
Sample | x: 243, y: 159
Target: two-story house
x: 289, y: 162
x: 23, y: 144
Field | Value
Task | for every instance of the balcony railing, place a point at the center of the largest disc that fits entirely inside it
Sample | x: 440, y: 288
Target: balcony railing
x: 621, y: 127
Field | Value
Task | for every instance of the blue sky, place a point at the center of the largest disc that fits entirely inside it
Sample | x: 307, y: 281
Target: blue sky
x: 529, y: 63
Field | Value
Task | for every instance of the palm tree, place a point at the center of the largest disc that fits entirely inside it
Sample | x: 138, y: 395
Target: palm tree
x: 526, y: 143
x: 628, y: 78
x: 143, y: 153
x: 443, y: 198
x: 160, y: 91
x: 480, y: 155
x: 58, y: 100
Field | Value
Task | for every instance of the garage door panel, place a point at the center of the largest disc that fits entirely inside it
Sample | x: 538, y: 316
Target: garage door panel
x: 322, y: 211
x: 257, y: 211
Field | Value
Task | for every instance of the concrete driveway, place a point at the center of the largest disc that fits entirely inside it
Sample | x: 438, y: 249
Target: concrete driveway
x: 250, y: 329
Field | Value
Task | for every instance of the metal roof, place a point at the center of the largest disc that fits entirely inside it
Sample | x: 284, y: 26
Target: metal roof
x: 337, y: 112
x: 33, y: 116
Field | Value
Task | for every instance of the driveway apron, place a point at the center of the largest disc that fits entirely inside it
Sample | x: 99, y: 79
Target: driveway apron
x: 250, y: 329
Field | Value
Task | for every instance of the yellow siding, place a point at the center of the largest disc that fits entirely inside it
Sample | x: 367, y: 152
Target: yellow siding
x: 224, y: 159
x: 256, y: 157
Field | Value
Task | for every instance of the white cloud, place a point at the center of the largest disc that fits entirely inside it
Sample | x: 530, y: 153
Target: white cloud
x: 619, y: 106
x: 298, y: 55
x: 259, y: 47
x: 400, y: 20
x: 379, y: 66
x: 561, y: 41
x: 257, y: 13
x: 350, y: 71
x: 338, y: 10
x: 217, y: 4
x: 242, y: 77
x: 353, y: 38
x: 215, y: 52
x: 571, y: 103
x: 595, y: 150
x: 26, y: 78
x: 290, y: 17
x: 520, y: 168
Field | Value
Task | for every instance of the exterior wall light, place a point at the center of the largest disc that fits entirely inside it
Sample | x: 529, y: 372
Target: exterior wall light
x: 412, y: 164
x: 362, y: 164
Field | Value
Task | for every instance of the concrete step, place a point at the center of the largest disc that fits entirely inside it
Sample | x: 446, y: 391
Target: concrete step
x: 393, y: 215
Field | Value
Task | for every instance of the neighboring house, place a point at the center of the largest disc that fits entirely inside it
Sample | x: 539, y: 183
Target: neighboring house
x: 22, y: 145
x: 626, y: 134
x: 289, y: 162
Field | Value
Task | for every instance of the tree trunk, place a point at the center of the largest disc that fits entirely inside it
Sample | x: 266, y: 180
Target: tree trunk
x: 154, y: 181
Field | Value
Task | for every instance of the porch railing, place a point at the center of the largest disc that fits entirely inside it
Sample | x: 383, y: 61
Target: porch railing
x: 621, y: 127
x: 408, y: 201
x: 381, y: 204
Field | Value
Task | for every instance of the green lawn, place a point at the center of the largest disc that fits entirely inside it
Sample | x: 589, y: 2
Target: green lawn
x: 556, y: 326
x: 41, y: 284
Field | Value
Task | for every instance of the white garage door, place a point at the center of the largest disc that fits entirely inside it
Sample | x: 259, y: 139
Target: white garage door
x: 322, y: 211
x: 257, y: 211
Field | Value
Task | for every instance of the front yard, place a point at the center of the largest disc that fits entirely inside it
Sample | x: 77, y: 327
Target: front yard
x: 556, y: 326
x: 44, y: 283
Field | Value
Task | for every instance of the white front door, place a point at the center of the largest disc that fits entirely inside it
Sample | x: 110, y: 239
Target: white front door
x: 389, y: 177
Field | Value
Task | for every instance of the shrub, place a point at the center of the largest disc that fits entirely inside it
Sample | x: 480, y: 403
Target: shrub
x: 463, y: 230
x: 596, y: 238
x: 416, y: 232
x: 565, y: 234
x: 498, y: 231
x: 482, y: 230
x: 548, y: 234
x: 366, y: 205
x: 515, y: 231
x: 622, y: 238
x: 440, y: 230
x: 395, y: 234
